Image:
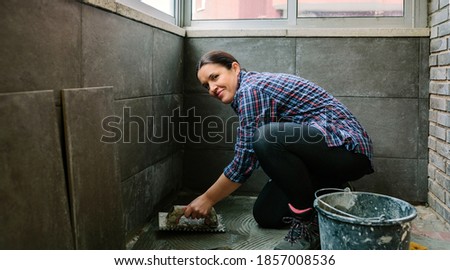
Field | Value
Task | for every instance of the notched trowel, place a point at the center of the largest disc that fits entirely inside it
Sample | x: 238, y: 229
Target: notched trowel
x: 174, y: 220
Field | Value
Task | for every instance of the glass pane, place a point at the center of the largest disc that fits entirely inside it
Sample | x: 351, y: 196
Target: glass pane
x: 238, y: 9
x: 166, y: 6
x: 350, y: 8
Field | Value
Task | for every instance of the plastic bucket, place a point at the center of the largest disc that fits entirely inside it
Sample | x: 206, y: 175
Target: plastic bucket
x: 361, y: 220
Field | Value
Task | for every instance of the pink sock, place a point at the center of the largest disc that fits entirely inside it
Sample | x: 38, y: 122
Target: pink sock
x: 298, y: 211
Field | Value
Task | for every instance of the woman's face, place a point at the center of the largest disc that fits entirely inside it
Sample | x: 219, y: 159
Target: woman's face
x: 221, y: 82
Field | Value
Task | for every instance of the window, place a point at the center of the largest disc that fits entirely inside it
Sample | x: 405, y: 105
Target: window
x: 350, y: 8
x: 238, y: 9
x: 164, y: 10
x: 267, y: 14
x: 306, y: 13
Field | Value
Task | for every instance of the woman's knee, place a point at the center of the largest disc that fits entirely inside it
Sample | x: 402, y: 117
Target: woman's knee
x: 268, y: 220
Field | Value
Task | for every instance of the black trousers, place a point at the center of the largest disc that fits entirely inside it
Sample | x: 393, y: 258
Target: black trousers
x: 299, y: 162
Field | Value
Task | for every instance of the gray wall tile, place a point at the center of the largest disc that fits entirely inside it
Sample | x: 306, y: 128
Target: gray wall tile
x: 167, y: 63
x: 116, y: 52
x: 137, y: 203
x: 40, y: 45
x: 144, y: 191
x: 92, y: 170
x: 149, y: 137
x: 135, y: 148
x: 34, y: 209
x: 394, y: 177
x: 424, y: 68
x: 422, y: 140
x: 380, y: 67
x: 164, y: 107
x: 392, y: 124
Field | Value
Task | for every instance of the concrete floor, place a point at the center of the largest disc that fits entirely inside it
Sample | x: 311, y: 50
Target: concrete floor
x: 243, y: 233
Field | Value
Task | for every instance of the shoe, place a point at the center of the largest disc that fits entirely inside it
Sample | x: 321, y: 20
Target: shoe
x: 303, y: 234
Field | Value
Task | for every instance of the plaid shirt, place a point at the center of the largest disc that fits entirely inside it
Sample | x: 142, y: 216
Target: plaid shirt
x: 262, y: 98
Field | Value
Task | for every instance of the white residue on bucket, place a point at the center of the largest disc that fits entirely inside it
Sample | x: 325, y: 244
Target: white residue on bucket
x: 384, y: 239
x: 405, y: 228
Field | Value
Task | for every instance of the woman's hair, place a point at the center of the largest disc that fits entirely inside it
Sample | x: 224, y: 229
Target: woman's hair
x: 217, y: 57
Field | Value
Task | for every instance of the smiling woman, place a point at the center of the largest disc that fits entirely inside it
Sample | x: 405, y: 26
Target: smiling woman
x: 303, y: 138
x: 218, y: 73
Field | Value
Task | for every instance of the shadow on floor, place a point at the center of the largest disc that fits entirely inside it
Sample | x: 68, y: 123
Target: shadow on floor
x: 243, y: 233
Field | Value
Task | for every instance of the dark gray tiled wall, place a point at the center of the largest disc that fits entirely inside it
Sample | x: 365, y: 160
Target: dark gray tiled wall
x: 144, y: 66
x: 383, y: 81
x: 66, y: 44
x: 39, y: 49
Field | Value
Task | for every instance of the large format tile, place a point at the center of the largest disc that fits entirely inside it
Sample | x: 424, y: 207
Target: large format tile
x: 392, y: 123
x: 34, y: 208
x: 134, y: 118
x: 167, y: 63
x: 424, y: 68
x: 395, y: 177
x: 136, y: 203
x: 40, y: 45
x: 259, y: 54
x: 147, y: 133
x: 116, y: 52
x: 422, y: 139
x: 92, y: 169
x: 380, y: 67
x: 165, y: 126
x: 144, y: 191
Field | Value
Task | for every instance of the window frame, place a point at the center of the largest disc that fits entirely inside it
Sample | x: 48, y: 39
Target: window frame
x: 415, y: 16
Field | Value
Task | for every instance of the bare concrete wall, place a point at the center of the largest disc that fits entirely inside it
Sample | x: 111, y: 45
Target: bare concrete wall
x: 383, y: 81
x: 64, y: 44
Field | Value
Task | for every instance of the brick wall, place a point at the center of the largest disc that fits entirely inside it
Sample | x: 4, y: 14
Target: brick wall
x: 439, y: 117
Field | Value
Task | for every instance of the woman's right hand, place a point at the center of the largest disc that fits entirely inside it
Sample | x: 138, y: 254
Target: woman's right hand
x: 198, y: 208
x: 201, y: 206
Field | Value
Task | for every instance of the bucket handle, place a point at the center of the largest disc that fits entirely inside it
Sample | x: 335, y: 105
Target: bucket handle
x: 372, y: 219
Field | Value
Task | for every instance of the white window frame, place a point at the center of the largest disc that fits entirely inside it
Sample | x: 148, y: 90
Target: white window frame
x: 155, y: 13
x: 415, y: 16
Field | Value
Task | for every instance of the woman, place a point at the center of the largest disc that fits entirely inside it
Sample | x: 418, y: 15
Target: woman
x: 302, y: 137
